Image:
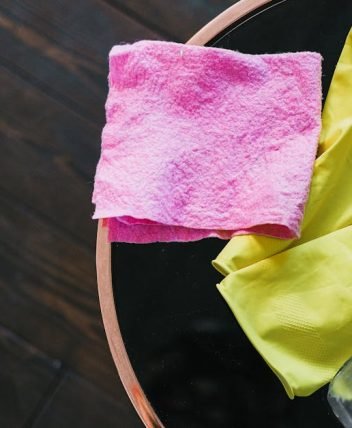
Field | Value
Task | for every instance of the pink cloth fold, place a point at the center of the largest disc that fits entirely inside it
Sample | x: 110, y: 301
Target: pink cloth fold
x: 205, y: 142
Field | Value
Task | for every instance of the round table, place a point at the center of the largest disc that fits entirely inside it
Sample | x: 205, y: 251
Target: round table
x: 181, y: 355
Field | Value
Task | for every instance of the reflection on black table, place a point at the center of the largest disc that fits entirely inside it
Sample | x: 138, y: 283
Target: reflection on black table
x: 194, y: 362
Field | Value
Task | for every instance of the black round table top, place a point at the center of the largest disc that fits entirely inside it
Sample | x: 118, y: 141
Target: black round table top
x: 195, y: 364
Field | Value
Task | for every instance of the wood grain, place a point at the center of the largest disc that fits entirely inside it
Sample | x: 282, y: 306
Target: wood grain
x: 62, y: 47
x: 77, y: 403
x: 37, y: 391
x: 175, y: 20
x: 54, y: 296
x: 45, y: 142
x: 26, y: 376
x: 54, y: 85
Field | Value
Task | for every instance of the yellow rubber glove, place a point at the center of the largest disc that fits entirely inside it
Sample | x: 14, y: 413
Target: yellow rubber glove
x: 294, y: 298
x: 329, y: 203
x: 296, y: 308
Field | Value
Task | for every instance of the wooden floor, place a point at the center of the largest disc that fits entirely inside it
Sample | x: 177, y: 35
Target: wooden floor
x: 55, y: 366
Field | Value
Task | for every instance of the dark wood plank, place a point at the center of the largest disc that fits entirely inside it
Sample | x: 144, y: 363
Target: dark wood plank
x: 62, y: 48
x: 43, y: 234
x: 54, y: 152
x: 27, y: 376
x: 77, y: 403
x: 46, y: 123
x: 86, y: 27
x: 176, y: 20
x: 55, y: 67
x: 50, y: 285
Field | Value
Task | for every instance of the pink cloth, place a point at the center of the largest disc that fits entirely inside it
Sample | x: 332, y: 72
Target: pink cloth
x: 203, y: 142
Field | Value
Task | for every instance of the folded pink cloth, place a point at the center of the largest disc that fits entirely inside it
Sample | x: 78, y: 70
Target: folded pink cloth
x: 203, y: 142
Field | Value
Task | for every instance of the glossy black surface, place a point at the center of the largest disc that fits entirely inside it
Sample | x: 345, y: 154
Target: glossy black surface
x: 195, y: 364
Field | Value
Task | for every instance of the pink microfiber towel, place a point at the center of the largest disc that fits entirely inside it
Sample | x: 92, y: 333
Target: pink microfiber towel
x: 206, y: 142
